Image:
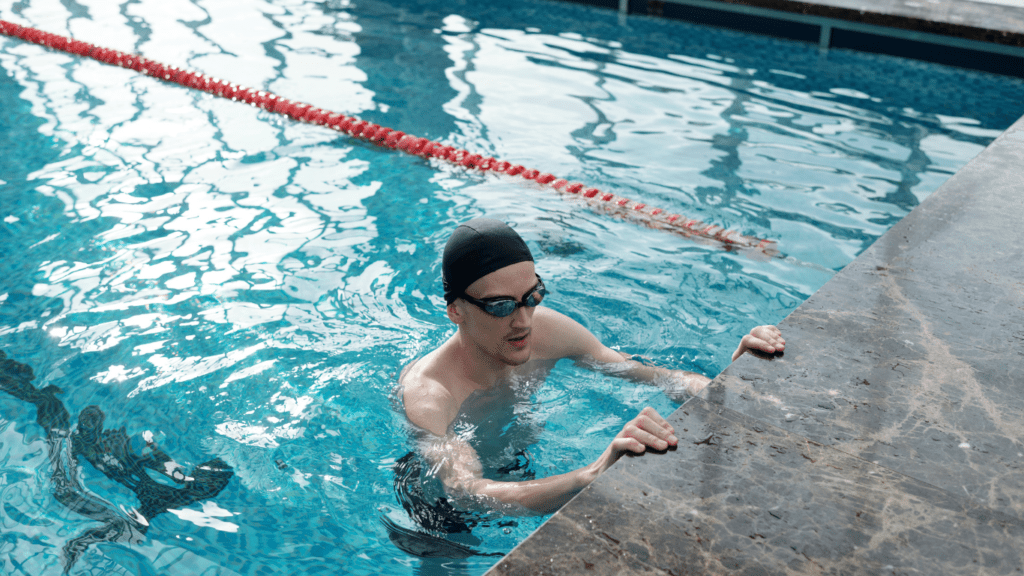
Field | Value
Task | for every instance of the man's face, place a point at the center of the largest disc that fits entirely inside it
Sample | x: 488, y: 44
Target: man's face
x: 508, y: 339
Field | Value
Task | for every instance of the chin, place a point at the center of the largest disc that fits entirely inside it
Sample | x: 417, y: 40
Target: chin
x: 518, y: 357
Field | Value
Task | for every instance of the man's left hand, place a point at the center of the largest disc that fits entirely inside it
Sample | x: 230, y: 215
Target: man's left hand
x: 767, y: 339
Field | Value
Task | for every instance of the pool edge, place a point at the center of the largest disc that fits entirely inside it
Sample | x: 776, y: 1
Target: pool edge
x: 961, y: 33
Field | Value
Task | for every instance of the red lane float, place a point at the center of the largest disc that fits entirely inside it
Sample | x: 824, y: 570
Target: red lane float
x: 389, y: 138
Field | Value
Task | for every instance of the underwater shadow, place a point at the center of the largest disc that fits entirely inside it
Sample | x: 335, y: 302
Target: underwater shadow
x: 110, y: 452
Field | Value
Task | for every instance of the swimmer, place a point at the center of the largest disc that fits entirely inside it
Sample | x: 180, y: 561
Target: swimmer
x: 109, y: 452
x: 494, y: 294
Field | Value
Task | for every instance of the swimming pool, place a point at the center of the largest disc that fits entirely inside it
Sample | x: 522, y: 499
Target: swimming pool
x: 240, y: 286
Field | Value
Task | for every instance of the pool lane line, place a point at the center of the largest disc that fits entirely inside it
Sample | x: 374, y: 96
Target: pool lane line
x: 394, y: 139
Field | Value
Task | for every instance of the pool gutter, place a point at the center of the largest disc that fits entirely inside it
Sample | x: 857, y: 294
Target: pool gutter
x: 889, y: 438
x: 962, y: 33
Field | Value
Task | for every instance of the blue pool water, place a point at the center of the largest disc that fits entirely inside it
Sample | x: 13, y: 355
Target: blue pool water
x: 236, y: 285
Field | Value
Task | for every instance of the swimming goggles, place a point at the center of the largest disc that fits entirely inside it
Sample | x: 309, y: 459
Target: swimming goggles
x: 503, y: 306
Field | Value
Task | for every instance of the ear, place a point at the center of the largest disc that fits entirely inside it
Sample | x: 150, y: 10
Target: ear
x: 455, y: 313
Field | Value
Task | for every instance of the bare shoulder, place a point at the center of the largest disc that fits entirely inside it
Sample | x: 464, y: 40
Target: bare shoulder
x: 551, y: 321
x: 558, y: 336
x: 428, y: 403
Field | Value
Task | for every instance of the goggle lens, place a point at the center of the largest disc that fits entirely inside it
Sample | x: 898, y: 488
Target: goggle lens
x: 505, y: 307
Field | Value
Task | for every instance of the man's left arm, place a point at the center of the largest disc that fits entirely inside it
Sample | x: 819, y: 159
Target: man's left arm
x: 566, y: 338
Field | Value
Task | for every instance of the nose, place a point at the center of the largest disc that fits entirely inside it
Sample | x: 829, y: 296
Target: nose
x: 522, y: 317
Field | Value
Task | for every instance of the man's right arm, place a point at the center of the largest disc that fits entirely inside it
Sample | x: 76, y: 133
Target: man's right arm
x: 458, y: 467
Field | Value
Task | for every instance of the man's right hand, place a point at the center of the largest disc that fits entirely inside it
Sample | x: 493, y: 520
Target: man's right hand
x: 647, y: 430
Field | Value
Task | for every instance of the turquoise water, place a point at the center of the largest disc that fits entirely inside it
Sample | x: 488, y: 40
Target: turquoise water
x: 240, y: 286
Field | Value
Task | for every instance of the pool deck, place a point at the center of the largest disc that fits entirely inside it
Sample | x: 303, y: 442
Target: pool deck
x: 994, y: 23
x: 888, y: 439
x: 970, y: 34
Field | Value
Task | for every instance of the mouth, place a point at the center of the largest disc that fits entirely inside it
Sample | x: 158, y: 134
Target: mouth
x: 519, y: 341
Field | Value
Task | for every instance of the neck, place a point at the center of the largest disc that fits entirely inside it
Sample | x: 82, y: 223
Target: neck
x: 475, y: 367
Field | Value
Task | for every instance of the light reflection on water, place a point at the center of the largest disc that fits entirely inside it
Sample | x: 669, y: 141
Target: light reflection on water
x: 241, y: 286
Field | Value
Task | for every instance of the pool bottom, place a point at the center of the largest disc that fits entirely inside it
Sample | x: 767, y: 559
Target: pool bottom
x: 887, y: 439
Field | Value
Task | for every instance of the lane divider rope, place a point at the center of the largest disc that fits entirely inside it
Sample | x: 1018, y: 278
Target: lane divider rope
x: 389, y: 138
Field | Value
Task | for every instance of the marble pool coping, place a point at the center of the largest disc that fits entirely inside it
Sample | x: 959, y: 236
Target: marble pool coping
x: 887, y: 439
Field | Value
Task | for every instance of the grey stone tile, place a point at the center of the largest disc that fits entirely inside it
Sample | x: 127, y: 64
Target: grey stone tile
x: 911, y: 357
x: 740, y: 496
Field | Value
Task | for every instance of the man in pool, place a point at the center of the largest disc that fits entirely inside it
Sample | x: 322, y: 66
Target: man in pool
x: 502, y: 337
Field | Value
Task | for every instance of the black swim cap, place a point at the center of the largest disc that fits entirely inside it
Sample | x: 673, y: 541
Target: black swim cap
x: 476, y: 249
